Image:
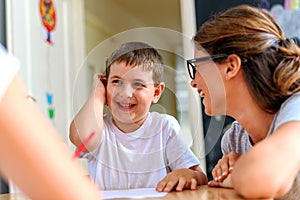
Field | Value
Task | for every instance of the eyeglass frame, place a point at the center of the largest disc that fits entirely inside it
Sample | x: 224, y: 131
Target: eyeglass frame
x: 191, y: 63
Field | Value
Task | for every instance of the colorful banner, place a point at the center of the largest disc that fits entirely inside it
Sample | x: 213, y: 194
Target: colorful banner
x: 291, y: 4
x: 48, y: 17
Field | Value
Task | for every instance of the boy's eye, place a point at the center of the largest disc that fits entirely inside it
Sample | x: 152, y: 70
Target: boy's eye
x: 116, y: 81
x: 138, y: 85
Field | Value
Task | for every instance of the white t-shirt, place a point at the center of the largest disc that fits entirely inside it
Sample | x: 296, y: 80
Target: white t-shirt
x: 9, y: 66
x: 141, y: 158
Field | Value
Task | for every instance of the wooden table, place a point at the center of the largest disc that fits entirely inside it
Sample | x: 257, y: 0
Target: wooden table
x: 202, y: 192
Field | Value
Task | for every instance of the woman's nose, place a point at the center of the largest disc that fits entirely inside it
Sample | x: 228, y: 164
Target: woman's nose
x: 193, y: 84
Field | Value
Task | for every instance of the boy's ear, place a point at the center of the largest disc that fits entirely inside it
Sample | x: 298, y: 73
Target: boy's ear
x: 158, y: 91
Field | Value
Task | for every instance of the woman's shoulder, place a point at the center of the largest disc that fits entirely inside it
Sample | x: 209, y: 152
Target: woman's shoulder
x: 235, y: 133
x: 235, y: 129
x: 289, y: 111
x: 235, y: 139
x: 293, y: 99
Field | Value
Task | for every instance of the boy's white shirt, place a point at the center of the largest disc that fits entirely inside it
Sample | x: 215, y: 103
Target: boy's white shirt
x: 139, y: 159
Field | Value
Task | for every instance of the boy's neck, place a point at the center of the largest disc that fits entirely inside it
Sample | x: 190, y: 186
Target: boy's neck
x: 128, y: 127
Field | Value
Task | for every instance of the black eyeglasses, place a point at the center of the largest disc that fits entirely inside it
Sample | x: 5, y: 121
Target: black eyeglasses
x: 191, y: 63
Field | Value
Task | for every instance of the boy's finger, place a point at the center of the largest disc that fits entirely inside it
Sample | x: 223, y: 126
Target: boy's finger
x: 161, y: 186
x: 180, y: 185
x: 169, y: 187
x: 193, y: 184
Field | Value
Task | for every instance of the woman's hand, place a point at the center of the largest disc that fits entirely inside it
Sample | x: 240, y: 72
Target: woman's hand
x: 226, y: 183
x: 224, y: 166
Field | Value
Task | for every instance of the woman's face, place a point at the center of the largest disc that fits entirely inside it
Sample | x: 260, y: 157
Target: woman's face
x: 209, y: 84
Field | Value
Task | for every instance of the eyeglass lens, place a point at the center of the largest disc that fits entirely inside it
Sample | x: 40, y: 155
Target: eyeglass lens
x: 191, y: 70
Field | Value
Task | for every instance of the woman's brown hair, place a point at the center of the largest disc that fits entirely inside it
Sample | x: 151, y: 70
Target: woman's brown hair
x: 270, y: 60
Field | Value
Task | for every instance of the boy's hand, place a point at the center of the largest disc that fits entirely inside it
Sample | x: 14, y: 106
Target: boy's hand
x: 181, y: 179
x: 99, y: 86
x: 224, y: 166
x: 99, y: 80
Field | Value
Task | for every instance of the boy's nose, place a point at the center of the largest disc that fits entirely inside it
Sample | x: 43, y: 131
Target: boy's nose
x: 127, y: 91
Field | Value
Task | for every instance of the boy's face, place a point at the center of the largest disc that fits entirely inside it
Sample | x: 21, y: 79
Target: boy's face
x: 130, y: 92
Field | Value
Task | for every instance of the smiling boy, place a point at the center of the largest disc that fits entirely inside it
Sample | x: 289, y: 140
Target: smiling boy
x: 132, y: 147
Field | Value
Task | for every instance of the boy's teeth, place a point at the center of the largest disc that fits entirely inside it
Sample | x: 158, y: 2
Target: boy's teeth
x: 125, y: 105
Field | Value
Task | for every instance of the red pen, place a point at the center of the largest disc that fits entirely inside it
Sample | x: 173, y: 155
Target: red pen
x: 80, y: 149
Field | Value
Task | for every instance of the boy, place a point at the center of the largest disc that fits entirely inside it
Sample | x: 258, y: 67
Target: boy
x: 132, y: 147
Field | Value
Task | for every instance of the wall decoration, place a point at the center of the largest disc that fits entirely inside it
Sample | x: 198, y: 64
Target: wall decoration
x: 48, y: 17
x: 51, y: 109
x: 288, y: 19
x: 291, y: 4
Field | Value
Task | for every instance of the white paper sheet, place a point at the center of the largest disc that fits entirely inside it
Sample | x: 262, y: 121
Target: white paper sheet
x: 132, y: 193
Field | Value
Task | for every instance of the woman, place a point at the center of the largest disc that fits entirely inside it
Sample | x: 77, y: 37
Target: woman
x: 246, y: 68
x: 32, y: 154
